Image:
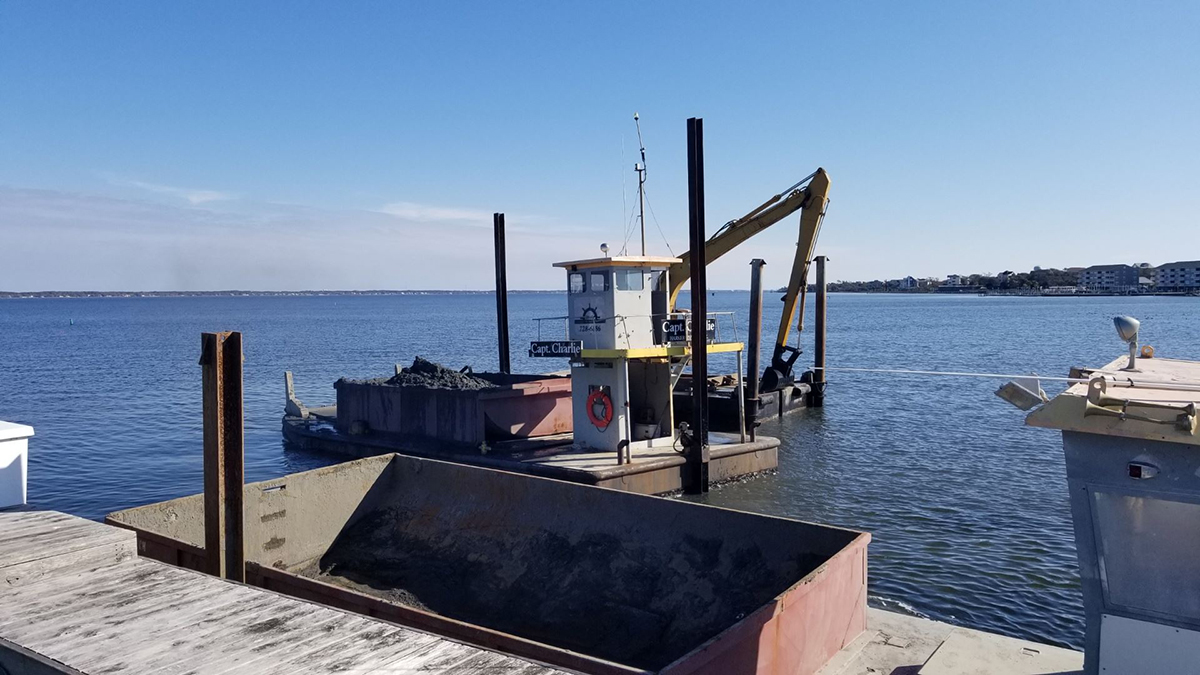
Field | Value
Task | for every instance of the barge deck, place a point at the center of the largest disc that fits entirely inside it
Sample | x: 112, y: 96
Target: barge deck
x: 654, y: 470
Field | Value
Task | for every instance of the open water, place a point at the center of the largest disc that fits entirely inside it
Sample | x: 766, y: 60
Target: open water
x: 967, y: 507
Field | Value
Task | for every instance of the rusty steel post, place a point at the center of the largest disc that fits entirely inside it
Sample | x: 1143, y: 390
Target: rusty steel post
x: 698, y: 453
x: 224, y: 456
x: 501, y: 293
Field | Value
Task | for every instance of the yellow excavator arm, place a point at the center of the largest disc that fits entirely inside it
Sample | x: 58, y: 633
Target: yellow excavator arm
x: 810, y: 225
x: 810, y: 196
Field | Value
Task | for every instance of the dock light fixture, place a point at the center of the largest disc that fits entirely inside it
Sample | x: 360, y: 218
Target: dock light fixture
x: 604, y: 249
x: 1127, y: 329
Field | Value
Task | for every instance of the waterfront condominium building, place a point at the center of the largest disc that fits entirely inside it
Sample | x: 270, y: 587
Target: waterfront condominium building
x: 1179, y: 276
x: 1109, y: 277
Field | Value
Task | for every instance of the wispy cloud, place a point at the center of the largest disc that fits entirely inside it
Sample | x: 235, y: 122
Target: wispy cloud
x: 191, y: 195
x: 426, y: 213
x: 67, y: 240
x: 430, y: 214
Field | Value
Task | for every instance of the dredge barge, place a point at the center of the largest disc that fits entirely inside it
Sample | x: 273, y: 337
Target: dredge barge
x: 610, y: 423
x: 614, y: 419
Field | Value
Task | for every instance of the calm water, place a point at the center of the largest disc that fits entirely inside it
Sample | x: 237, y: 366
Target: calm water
x: 967, y: 507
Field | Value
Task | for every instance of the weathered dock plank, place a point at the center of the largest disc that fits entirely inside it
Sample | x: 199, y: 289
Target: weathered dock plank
x: 79, y: 600
x: 17, y: 660
x: 373, y: 646
x: 35, y: 543
x: 250, y: 642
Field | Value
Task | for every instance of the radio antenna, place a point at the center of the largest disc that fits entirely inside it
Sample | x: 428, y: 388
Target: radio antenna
x: 640, y: 168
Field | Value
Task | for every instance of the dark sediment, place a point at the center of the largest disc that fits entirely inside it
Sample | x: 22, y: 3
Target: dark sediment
x: 423, y: 373
x: 639, y: 605
x: 430, y: 375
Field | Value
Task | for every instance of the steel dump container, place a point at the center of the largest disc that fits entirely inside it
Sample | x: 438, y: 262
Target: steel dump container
x: 585, y: 578
x: 520, y: 406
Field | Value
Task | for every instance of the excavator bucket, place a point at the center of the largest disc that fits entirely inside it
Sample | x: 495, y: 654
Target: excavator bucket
x: 774, y: 379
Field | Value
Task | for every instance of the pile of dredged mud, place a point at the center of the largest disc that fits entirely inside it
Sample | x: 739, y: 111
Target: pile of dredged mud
x: 425, y: 373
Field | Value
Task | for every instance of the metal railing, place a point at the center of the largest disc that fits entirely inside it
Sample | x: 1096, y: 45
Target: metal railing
x: 564, y: 319
x: 728, y: 319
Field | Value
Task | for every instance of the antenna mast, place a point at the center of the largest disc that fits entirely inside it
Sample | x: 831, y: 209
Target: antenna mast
x: 641, y: 172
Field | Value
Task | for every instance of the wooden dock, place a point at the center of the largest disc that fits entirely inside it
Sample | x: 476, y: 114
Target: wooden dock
x: 76, y: 598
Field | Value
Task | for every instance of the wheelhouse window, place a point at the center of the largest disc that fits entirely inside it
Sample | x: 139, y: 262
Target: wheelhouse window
x: 575, y: 283
x: 630, y: 280
x: 599, y: 282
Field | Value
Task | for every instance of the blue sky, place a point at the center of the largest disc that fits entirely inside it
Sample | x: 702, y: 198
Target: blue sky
x: 289, y: 145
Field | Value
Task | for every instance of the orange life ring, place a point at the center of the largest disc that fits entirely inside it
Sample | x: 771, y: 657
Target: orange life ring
x: 598, y: 396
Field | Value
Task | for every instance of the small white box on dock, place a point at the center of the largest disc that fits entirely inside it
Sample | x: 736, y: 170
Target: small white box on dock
x: 14, y: 460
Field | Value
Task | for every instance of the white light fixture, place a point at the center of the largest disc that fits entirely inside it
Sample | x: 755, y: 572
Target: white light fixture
x: 1127, y: 329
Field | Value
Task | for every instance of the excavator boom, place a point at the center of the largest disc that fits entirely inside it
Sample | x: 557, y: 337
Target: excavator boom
x: 775, y: 209
x: 810, y: 196
x: 779, y: 373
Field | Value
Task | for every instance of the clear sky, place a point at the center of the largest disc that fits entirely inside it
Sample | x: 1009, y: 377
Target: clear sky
x: 304, y: 145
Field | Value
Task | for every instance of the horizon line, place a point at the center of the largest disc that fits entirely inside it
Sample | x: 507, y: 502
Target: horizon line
x: 365, y: 291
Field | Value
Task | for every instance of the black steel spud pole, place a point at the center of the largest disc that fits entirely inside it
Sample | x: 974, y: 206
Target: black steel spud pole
x: 697, y: 474
x: 501, y: 293
x: 818, y: 383
x: 754, y: 362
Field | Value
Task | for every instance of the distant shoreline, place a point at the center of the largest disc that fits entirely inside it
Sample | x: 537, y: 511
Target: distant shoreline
x: 36, y: 295
x: 233, y: 293
x: 267, y: 294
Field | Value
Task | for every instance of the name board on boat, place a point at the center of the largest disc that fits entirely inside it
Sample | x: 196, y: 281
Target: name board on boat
x: 679, y: 330
x: 555, y: 348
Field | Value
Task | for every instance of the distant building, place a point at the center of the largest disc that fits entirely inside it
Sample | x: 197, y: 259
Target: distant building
x: 908, y: 282
x: 1178, y: 276
x: 1109, y: 277
x: 1061, y: 290
x: 1003, y: 276
x: 953, y: 280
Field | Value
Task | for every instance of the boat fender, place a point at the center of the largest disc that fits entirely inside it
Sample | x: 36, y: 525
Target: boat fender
x: 1147, y: 352
x: 601, y: 398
